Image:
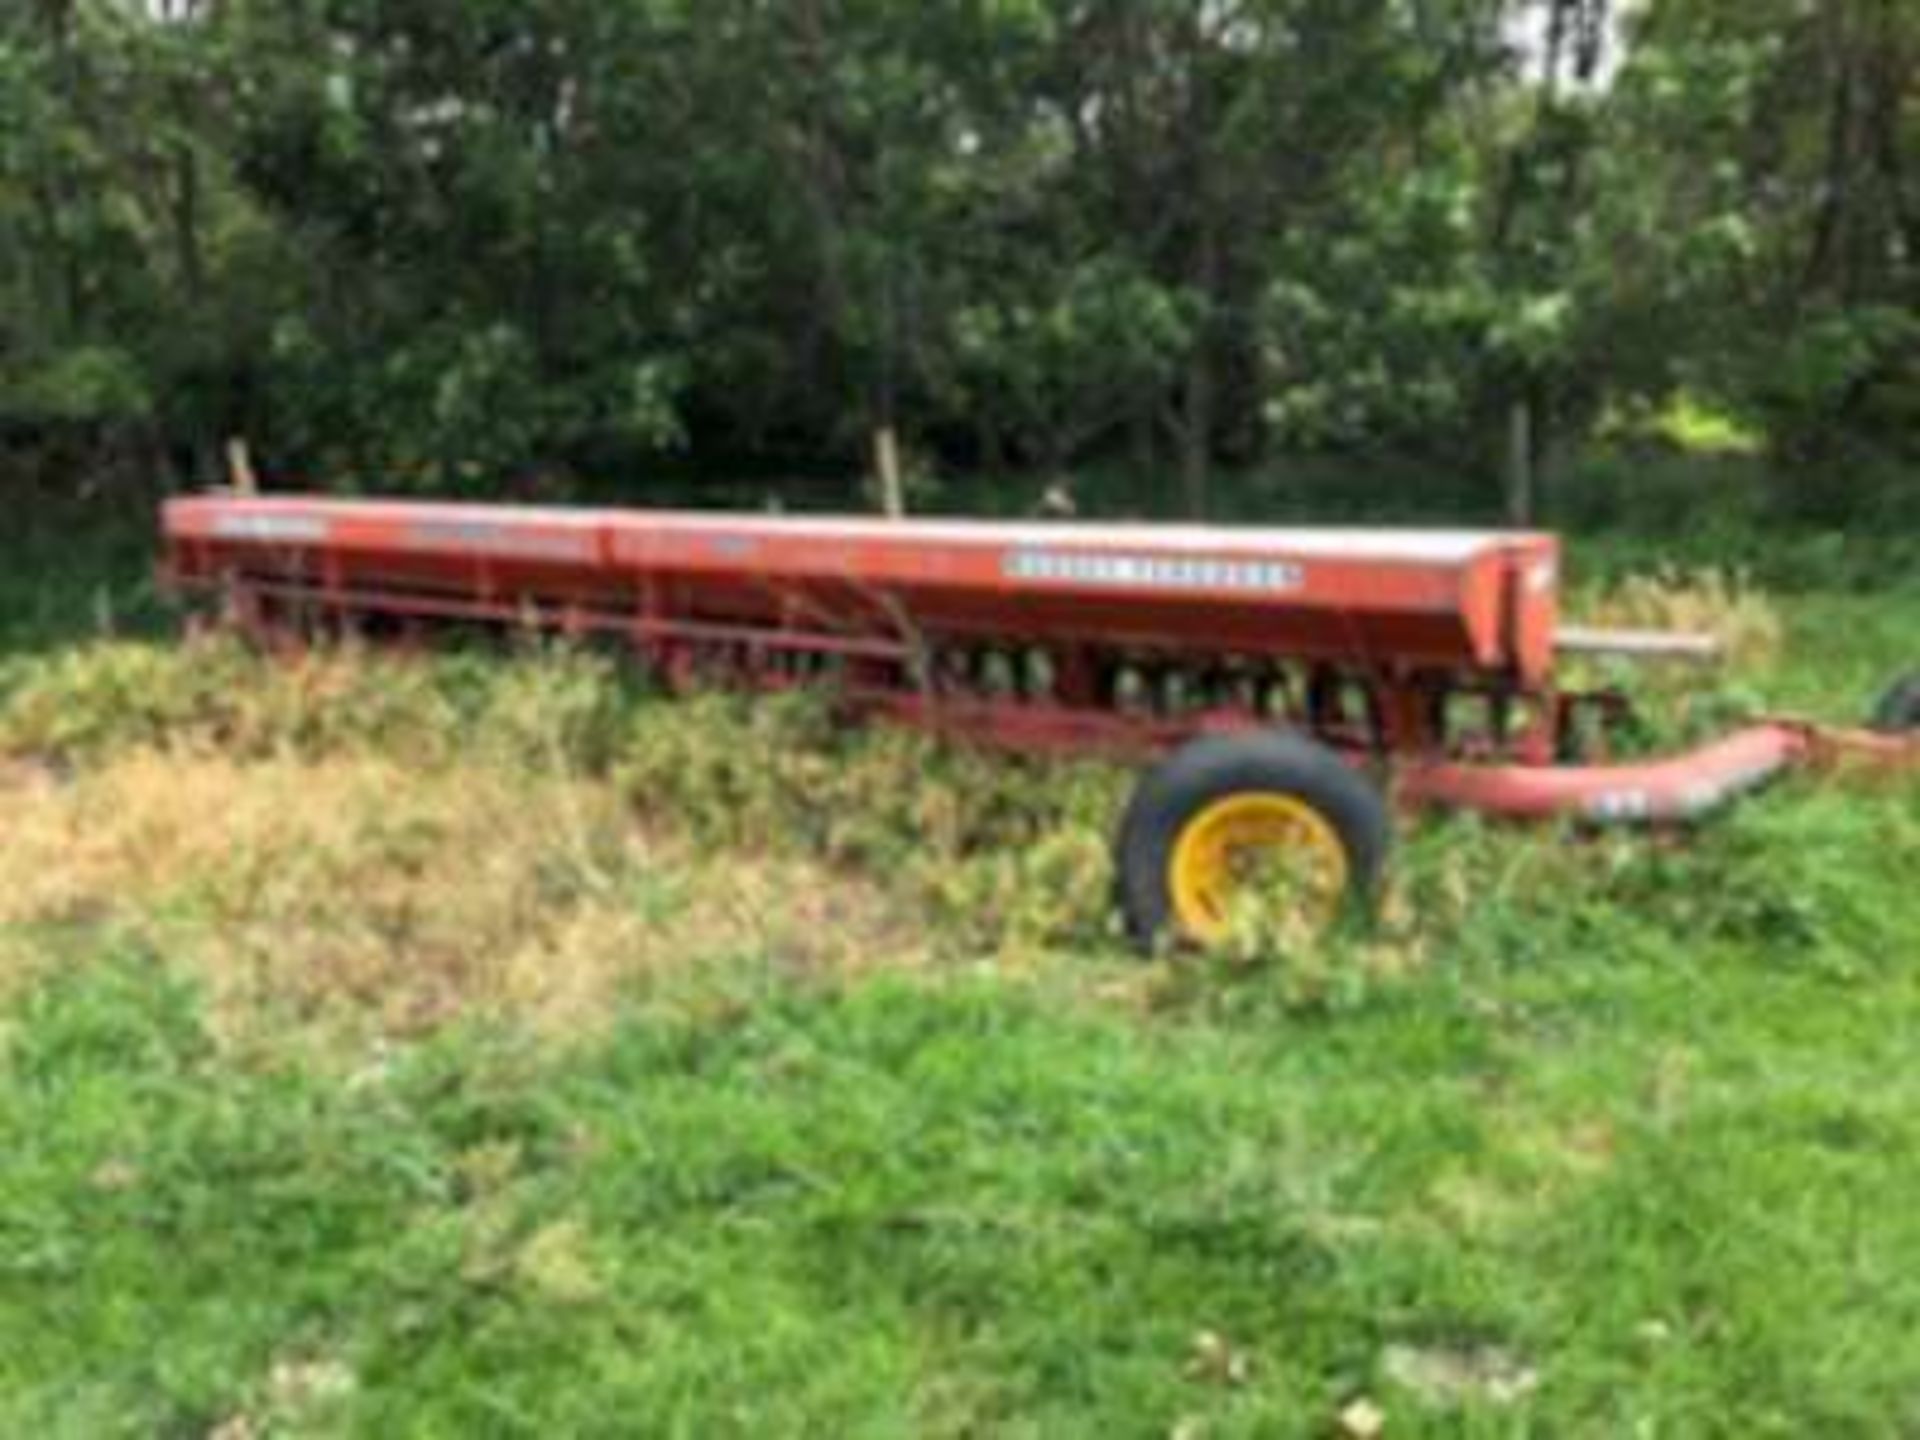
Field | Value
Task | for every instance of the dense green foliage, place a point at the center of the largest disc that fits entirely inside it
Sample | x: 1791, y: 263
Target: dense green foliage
x: 466, y: 244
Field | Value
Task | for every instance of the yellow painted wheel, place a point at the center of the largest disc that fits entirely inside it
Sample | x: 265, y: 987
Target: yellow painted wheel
x: 1250, y: 847
x: 1256, y: 837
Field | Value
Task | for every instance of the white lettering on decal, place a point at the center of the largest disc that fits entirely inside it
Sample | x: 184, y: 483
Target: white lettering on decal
x: 1150, y: 572
x: 492, y: 538
x: 295, y: 529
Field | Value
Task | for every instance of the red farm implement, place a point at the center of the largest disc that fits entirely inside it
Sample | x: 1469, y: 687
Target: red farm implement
x: 1292, y: 680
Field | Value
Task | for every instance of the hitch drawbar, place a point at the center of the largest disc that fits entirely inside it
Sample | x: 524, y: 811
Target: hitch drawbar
x: 1672, y: 789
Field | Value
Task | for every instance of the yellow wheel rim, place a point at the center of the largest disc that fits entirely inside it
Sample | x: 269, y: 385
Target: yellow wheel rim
x: 1224, y: 853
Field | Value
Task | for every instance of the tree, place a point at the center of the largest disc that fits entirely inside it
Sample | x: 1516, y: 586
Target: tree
x: 516, y: 244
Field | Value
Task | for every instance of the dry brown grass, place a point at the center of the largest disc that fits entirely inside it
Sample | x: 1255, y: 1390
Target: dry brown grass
x: 351, y: 890
x: 354, y: 842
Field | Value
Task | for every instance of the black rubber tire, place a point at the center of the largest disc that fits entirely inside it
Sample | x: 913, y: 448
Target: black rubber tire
x: 1211, y: 768
x: 1898, y: 712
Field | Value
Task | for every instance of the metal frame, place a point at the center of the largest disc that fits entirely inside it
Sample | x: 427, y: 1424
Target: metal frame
x: 1428, y: 657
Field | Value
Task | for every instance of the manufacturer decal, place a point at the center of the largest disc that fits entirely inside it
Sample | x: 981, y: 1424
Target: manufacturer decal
x: 1152, y: 572
x: 291, y: 529
x: 492, y: 538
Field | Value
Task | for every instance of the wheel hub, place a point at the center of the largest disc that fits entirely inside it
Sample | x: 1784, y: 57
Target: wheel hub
x: 1243, y: 847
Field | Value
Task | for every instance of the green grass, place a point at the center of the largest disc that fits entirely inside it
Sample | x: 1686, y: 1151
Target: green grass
x: 1677, y: 1183
x: 1631, y: 1126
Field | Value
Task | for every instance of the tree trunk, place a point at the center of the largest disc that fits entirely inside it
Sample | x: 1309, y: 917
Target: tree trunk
x: 1825, y: 260
x: 186, y: 221
x: 1201, y: 386
x: 1143, y: 448
x: 993, y: 445
x: 820, y: 184
x: 1887, y: 107
x: 1520, y: 453
x: 1196, y: 433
